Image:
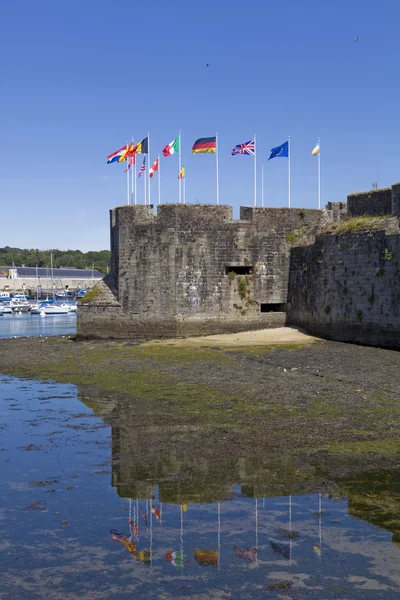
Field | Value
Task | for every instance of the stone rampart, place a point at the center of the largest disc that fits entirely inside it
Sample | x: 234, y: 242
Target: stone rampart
x: 193, y: 270
x: 374, y: 202
x: 347, y: 287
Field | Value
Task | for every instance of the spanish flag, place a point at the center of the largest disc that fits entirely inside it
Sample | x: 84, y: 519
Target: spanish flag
x: 206, y: 145
x: 181, y: 173
x: 142, y: 147
x: 127, y: 152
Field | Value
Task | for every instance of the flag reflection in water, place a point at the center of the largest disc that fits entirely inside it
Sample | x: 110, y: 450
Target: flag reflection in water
x: 141, y: 555
x: 247, y: 553
x: 206, y: 558
x: 175, y: 558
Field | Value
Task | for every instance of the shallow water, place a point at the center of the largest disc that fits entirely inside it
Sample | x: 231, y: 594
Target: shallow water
x: 223, y: 530
x: 22, y: 325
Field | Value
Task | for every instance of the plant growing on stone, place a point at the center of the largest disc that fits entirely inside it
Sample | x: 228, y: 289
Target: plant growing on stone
x: 387, y: 254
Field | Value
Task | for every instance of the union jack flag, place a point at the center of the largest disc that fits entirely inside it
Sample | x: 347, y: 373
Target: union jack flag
x: 247, y: 148
x: 143, y: 167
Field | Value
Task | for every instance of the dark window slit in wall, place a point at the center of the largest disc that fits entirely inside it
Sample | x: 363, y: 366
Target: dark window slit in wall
x: 239, y: 270
x: 273, y: 307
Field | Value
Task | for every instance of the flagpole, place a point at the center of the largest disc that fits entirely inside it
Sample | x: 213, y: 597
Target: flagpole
x: 127, y: 176
x: 289, y: 171
x: 180, y: 167
x: 262, y: 186
x: 134, y: 175
x: 145, y: 185
x: 216, y: 156
x: 255, y: 172
x: 159, y: 180
x: 149, y: 161
x: 184, y: 183
x: 319, y: 177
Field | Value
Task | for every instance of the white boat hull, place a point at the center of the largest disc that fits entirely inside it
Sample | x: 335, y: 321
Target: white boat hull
x: 54, y: 310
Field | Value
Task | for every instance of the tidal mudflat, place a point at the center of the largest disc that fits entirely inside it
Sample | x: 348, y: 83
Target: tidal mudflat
x: 197, y: 470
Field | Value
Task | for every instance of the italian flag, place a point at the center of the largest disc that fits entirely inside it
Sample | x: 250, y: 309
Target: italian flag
x: 172, y: 148
x: 175, y: 558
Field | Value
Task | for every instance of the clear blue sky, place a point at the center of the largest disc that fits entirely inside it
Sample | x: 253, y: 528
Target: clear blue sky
x: 79, y: 78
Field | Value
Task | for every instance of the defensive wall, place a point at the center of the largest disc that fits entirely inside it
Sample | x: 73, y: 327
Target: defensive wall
x: 194, y: 270
x: 346, y: 286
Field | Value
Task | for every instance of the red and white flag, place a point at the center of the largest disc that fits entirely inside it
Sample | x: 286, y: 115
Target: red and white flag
x: 131, y: 162
x: 154, y: 167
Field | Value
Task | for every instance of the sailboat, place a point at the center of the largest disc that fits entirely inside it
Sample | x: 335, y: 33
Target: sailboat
x: 48, y: 307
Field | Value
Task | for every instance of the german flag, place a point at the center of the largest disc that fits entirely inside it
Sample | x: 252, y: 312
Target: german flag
x: 142, y: 147
x: 205, y: 146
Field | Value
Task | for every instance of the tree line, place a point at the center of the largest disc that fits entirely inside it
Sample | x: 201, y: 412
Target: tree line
x: 61, y: 258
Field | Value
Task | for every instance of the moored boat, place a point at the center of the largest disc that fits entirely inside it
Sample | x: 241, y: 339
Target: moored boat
x: 53, y: 309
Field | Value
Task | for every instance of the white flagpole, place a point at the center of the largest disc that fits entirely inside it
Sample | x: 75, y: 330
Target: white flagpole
x: 127, y: 176
x: 262, y: 186
x: 255, y: 172
x: 145, y: 184
x: 216, y: 156
x: 149, y: 165
x: 289, y: 171
x: 319, y: 177
x: 180, y: 167
x: 184, y: 183
x: 159, y: 180
x: 134, y: 175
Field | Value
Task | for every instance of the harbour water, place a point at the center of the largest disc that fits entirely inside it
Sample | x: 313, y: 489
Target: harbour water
x: 25, y: 324
x: 96, y: 502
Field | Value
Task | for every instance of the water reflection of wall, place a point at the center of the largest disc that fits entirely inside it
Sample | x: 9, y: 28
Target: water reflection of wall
x: 375, y: 497
x: 187, y: 467
x: 186, y: 462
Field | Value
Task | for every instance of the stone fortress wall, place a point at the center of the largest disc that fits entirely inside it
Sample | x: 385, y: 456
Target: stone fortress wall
x: 346, y: 286
x: 193, y: 270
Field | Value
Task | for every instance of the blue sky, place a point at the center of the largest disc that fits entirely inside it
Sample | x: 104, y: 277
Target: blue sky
x: 80, y: 78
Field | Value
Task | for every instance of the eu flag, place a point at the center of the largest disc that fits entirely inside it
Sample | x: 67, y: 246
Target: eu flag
x: 281, y: 151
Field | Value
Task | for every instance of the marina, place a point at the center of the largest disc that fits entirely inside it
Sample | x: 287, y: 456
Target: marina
x: 27, y: 325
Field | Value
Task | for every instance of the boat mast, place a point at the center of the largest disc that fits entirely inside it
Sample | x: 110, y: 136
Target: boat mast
x: 51, y: 268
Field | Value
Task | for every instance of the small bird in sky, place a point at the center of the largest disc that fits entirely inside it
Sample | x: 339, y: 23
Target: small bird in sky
x: 356, y: 38
x: 207, y: 65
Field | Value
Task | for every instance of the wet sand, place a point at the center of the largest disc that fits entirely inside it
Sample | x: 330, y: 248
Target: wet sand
x: 279, y: 391
x: 260, y: 337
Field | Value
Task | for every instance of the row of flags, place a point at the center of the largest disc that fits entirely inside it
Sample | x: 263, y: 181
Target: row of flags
x: 207, y: 145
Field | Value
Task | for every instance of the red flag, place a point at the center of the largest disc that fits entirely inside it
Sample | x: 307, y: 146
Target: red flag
x: 154, y: 167
x: 132, y: 161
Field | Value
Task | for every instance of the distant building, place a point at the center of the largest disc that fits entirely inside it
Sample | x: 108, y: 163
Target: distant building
x: 31, y: 278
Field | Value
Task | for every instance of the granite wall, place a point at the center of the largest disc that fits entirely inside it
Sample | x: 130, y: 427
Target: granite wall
x: 374, y: 202
x: 347, y: 287
x: 193, y: 270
